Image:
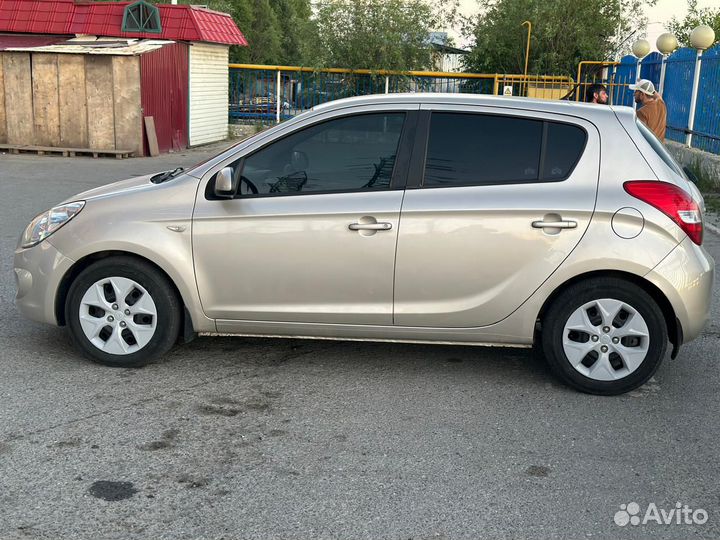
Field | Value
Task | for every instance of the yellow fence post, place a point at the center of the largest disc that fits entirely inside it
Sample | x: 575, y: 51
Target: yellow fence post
x: 531, y: 86
x: 583, y: 84
x: 527, y: 50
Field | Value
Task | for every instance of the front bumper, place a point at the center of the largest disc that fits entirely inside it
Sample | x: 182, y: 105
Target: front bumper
x: 686, y: 277
x: 38, y: 272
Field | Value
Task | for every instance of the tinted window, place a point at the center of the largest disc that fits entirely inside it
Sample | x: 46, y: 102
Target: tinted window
x: 472, y: 149
x: 351, y: 153
x: 476, y: 149
x: 563, y: 146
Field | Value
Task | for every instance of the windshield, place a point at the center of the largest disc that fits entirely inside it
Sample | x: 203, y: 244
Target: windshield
x: 190, y: 169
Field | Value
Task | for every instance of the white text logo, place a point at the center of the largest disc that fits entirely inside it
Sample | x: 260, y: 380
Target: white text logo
x: 680, y: 514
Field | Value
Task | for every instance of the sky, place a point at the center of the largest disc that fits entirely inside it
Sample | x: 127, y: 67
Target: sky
x: 657, y: 16
x: 665, y: 10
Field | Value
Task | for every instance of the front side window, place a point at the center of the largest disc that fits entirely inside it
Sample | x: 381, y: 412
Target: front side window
x: 354, y: 153
x: 483, y: 149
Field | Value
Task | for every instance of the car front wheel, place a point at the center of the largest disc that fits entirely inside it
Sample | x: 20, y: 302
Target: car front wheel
x: 604, y: 336
x: 122, y: 312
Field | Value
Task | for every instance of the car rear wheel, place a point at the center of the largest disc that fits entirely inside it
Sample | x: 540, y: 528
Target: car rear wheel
x: 122, y: 312
x: 604, y: 336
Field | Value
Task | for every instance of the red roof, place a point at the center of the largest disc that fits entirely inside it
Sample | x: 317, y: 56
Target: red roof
x: 178, y: 22
x: 9, y: 41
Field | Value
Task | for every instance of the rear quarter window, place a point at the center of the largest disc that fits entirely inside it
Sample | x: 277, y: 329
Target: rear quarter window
x: 564, y: 144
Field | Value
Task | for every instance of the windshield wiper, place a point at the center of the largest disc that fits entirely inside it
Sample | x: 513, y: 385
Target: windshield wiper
x: 167, y: 175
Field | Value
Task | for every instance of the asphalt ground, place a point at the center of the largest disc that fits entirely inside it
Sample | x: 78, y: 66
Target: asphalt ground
x: 254, y: 438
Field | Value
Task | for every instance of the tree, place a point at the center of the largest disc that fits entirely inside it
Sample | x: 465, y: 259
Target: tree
x: 277, y: 30
x: 564, y: 32
x: 297, y: 31
x: 376, y: 34
x: 695, y: 17
x: 264, y: 35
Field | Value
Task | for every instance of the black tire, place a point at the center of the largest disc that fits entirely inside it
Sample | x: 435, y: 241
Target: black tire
x: 558, y: 313
x: 166, y: 301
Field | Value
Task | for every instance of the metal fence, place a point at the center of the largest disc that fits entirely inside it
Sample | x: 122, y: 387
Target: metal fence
x: 707, y: 114
x: 270, y: 94
x: 694, y: 121
x: 677, y: 92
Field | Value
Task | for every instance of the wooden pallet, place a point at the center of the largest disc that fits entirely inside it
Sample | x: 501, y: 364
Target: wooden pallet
x: 71, y: 152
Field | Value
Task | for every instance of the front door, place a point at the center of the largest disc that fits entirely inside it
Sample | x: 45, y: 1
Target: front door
x: 502, y: 199
x: 311, y: 237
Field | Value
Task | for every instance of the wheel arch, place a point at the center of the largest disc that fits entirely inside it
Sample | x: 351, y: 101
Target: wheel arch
x: 674, y: 327
x: 74, y: 271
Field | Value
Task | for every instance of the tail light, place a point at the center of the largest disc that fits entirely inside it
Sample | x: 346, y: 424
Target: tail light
x: 671, y: 201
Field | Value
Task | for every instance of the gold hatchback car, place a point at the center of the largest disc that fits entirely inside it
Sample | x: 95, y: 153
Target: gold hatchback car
x: 434, y: 218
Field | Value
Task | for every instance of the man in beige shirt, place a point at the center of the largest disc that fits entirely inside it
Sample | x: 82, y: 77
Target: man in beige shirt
x: 651, y: 107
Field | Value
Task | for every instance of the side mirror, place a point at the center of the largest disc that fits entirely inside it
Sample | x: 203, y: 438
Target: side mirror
x: 225, y: 185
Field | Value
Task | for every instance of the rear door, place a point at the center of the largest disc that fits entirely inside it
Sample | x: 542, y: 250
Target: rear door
x: 499, y: 199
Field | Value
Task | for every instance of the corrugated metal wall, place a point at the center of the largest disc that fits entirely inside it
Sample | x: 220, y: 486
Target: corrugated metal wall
x: 164, y: 89
x: 677, y: 92
x: 707, y: 115
x: 623, y: 75
x: 208, y: 93
x: 650, y: 68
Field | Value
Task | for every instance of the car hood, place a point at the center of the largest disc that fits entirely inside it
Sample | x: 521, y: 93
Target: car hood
x: 138, y: 183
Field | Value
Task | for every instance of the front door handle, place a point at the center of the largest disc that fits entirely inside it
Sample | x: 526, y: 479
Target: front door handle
x: 382, y: 226
x: 561, y: 224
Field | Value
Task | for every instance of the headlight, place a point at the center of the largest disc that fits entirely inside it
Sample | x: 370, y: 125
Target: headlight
x: 48, y: 222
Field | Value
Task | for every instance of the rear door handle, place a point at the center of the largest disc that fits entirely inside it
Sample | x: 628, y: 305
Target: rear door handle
x: 382, y: 226
x: 564, y: 224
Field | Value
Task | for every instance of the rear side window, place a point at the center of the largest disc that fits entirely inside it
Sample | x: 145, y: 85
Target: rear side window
x: 480, y: 149
x: 472, y: 149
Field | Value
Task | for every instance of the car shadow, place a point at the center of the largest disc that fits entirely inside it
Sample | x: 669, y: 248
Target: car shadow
x: 495, y: 365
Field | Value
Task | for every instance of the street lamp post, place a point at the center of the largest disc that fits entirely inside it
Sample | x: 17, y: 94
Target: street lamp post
x: 666, y: 44
x: 701, y: 38
x: 640, y: 49
x: 527, y: 48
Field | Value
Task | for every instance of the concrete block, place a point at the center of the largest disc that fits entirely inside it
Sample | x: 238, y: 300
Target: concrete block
x: 708, y: 163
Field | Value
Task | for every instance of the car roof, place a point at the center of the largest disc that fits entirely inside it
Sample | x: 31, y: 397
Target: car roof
x: 541, y: 105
